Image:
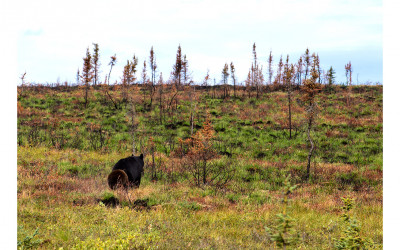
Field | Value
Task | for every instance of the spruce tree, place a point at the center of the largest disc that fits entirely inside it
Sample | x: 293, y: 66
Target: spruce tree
x: 95, y: 63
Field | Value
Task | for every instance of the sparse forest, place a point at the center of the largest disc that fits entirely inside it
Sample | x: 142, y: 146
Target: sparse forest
x: 289, y: 158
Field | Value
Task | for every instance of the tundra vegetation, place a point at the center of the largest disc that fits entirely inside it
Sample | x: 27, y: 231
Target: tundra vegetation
x: 258, y: 165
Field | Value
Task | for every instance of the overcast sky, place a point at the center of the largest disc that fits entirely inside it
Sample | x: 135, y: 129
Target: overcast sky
x: 53, y: 35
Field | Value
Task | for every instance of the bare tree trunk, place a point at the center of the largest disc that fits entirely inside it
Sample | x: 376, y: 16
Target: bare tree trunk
x: 257, y: 90
x: 108, y: 79
x: 234, y: 88
x: 205, y: 172
x: 311, y: 149
x: 86, y: 94
x: 154, y: 177
x: 108, y: 94
x: 290, y: 113
x: 133, y: 126
x: 299, y: 81
x: 192, y: 110
x: 161, y: 110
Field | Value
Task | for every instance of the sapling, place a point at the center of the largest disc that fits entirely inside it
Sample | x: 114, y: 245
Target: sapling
x: 351, y: 238
x: 284, y: 234
x: 28, y: 241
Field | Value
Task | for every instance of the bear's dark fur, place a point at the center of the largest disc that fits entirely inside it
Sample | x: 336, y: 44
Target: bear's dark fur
x: 132, y: 166
x: 118, y: 178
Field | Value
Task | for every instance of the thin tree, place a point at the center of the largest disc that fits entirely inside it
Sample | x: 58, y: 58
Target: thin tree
x: 205, y: 81
x: 306, y: 57
x: 153, y: 68
x: 129, y: 76
x: 270, y: 70
x: 185, y: 71
x: 144, y: 81
x: 255, y: 73
x: 77, y: 77
x: 127, y: 73
x: 318, y: 69
x: 87, y: 74
x: 160, y: 93
x: 192, y: 94
x: 107, y: 80
x: 299, y: 70
x: 134, y: 64
x: 131, y: 112
x: 214, y: 88
x: 248, y: 83
x: 349, y: 71
x: 254, y: 66
x: 225, y: 75
x: 288, y: 77
x: 278, y: 78
x: 112, y: 62
x: 233, y: 79
x: 22, y: 77
x: 260, y: 80
x: 310, y: 89
x: 331, y: 76
x: 177, y: 68
x: 96, y: 63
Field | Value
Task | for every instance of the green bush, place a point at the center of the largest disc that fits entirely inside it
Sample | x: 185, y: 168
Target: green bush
x: 351, y: 178
x: 283, y: 232
x: 351, y: 237
x: 232, y: 197
x: 190, y: 205
x: 28, y: 240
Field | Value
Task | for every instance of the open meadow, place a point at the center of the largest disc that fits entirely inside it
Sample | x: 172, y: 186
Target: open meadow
x: 216, y: 161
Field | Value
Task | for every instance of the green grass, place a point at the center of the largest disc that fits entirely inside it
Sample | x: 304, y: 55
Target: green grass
x: 65, y: 153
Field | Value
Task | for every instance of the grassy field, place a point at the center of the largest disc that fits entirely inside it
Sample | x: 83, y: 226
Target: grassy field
x: 66, y: 151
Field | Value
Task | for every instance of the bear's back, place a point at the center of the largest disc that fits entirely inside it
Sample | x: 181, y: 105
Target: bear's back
x: 126, y: 163
x: 132, y: 165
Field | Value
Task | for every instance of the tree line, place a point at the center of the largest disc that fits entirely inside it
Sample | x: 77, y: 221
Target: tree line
x: 181, y: 75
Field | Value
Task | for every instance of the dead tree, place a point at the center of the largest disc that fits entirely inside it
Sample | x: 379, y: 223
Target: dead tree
x: 270, y: 70
x: 160, y: 93
x: 132, y: 115
x: 349, y: 71
x: 112, y: 63
x: 153, y: 68
x: 288, y: 77
x: 233, y: 79
x: 225, y: 75
x: 311, y: 88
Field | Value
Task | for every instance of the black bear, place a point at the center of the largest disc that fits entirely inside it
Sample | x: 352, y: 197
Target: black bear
x: 126, y: 172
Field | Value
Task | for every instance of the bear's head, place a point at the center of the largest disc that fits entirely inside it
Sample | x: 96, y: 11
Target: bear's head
x: 140, y: 160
